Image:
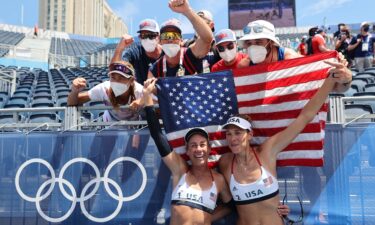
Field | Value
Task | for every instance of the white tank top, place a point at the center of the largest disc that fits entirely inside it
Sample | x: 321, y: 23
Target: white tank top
x: 265, y: 187
x: 199, y: 199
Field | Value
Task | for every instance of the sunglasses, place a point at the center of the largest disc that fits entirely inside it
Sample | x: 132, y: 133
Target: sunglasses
x: 300, y: 218
x: 256, y: 29
x: 222, y: 48
x: 170, y: 36
x: 150, y: 36
x: 121, y: 68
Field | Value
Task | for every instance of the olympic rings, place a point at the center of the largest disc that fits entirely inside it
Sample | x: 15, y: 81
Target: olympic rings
x: 82, y: 197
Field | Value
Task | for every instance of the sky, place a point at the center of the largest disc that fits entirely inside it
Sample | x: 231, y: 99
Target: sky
x: 308, y: 12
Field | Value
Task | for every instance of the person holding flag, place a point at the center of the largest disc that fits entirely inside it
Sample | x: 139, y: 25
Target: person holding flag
x: 251, y: 171
x: 196, y: 188
x: 263, y: 47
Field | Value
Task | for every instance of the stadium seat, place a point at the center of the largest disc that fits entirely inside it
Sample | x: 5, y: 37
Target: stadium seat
x: 360, y: 82
x: 356, y: 110
x: 21, y: 94
x: 353, y: 89
x: 371, y: 103
x: 9, y: 118
x: 369, y: 88
x: 369, y: 76
x: 43, y: 118
x: 18, y: 100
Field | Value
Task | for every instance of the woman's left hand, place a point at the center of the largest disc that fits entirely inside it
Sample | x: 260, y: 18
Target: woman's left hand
x: 136, y: 105
x: 340, y: 72
x: 283, y: 210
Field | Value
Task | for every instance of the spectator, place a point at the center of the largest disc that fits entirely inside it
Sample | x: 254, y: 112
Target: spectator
x: 213, y: 56
x: 363, y: 47
x: 262, y: 46
x: 312, y: 32
x: 318, y: 41
x: 179, y: 61
x: 343, y: 41
x: 340, y: 27
x: 141, y: 54
x: 302, y: 49
x: 226, y: 45
x: 36, y: 31
x: 121, y: 89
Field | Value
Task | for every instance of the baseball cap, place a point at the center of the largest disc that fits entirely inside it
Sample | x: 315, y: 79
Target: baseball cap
x: 122, y: 69
x: 171, y: 23
x: 205, y: 14
x: 259, y: 29
x: 365, y: 23
x: 239, y: 122
x: 224, y: 35
x: 148, y: 25
x: 195, y: 130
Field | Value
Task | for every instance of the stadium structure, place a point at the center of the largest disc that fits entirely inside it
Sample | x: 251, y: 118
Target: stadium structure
x: 44, y: 142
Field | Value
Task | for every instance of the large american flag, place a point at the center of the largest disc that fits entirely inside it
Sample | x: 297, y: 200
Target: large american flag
x: 273, y: 95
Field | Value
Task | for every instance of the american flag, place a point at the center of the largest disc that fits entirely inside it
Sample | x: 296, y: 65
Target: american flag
x: 273, y: 95
x: 268, y: 181
x: 197, y: 101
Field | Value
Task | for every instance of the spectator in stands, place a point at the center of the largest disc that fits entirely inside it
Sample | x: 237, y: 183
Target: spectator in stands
x: 226, y: 45
x: 179, y: 61
x: 121, y: 89
x: 302, y: 49
x: 140, y: 54
x: 318, y: 41
x: 36, y: 31
x: 340, y: 27
x: 343, y: 41
x: 363, y: 47
x: 213, y: 56
x: 312, y: 32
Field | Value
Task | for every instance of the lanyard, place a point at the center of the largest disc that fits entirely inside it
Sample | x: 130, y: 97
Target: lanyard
x: 181, y: 69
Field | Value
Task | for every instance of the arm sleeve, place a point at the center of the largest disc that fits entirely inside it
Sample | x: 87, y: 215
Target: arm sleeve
x: 159, y: 138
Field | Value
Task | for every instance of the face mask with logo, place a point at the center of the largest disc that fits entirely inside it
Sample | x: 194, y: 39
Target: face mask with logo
x: 118, y: 88
x: 149, y: 45
x: 257, y: 53
x: 228, y: 55
x: 171, y: 50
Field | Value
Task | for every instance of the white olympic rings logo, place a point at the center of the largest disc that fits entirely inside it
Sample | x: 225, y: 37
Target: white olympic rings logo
x: 83, y: 197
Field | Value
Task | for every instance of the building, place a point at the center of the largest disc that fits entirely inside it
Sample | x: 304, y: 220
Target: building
x: 83, y: 17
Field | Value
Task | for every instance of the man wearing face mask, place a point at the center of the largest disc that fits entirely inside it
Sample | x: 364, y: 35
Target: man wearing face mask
x: 364, y: 48
x: 263, y: 47
x: 121, y: 89
x: 179, y: 61
x: 226, y: 45
x: 141, y: 54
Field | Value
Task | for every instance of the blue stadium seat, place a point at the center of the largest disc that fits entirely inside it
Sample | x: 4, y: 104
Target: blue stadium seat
x: 360, y: 82
x: 43, y: 118
x: 353, y: 89
x: 96, y: 112
x: 18, y: 100
x: 369, y: 76
x: 370, y: 88
x: 371, y: 103
x: 9, y: 118
x: 356, y: 110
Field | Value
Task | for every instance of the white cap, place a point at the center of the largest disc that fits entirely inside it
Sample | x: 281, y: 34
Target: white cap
x: 239, y: 122
x: 259, y: 29
x: 206, y: 14
x: 365, y: 23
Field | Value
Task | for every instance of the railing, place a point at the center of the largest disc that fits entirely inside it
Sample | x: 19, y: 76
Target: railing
x: 8, y: 81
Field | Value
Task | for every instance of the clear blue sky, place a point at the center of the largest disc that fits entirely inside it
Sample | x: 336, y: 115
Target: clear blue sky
x: 132, y: 11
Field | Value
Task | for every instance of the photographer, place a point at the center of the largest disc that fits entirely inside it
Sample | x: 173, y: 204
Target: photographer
x: 342, y: 43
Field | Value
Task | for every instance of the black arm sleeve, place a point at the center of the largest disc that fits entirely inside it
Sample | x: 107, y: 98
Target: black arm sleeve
x: 155, y: 130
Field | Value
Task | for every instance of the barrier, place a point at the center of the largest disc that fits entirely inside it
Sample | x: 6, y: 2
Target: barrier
x: 117, y: 177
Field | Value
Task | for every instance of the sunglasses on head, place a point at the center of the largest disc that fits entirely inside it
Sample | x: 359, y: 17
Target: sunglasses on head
x: 222, y: 48
x: 256, y: 29
x: 170, y: 36
x: 150, y: 36
x: 121, y: 68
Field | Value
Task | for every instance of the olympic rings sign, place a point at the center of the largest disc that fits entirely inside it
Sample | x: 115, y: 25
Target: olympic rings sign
x: 83, y: 197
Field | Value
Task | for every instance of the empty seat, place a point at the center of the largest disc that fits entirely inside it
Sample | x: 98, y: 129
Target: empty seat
x: 356, y: 110
x: 360, y: 82
x: 369, y: 88
x: 9, y: 118
x: 43, y: 118
x: 370, y: 102
x: 353, y: 89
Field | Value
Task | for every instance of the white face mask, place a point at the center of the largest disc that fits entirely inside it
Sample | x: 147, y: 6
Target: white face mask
x: 119, y: 88
x: 257, y: 53
x: 149, y: 45
x: 171, y: 50
x: 228, y: 55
